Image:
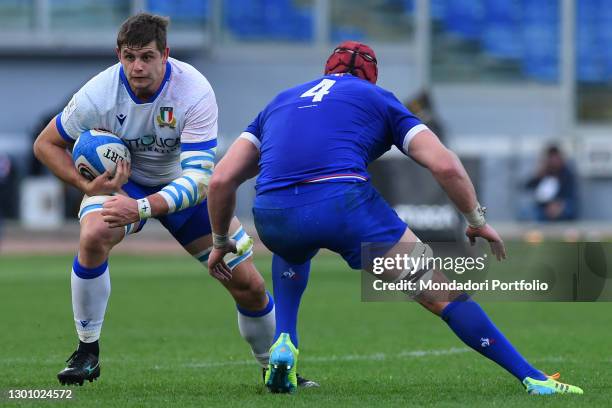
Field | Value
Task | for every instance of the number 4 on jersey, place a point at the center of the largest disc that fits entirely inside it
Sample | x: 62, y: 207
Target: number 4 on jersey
x: 319, y: 91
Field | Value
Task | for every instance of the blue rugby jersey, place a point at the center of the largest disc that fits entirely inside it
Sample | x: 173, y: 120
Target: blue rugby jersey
x: 328, y: 130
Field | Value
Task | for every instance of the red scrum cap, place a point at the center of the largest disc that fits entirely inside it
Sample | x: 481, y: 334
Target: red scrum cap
x: 355, y: 58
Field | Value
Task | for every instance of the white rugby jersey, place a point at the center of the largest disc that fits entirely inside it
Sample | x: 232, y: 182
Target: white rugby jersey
x: 183, y: 112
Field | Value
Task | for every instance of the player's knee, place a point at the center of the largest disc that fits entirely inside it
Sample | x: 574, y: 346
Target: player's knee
x: 256, y: 299
x: 250, y: 291
x: 253, y: 284
x: 96, y: 236
x: 257, y: 287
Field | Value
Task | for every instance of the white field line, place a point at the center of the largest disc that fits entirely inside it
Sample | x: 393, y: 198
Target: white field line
x: 336, y: 358
x: 405, y: 355
x: 206, y: 364
x: 553, y: 359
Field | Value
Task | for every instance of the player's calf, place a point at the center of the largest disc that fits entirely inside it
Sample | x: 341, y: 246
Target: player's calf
x: 255, y: 309
x: 255, y: 306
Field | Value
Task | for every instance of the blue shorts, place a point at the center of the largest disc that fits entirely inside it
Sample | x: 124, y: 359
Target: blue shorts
x: 296, y: 222
x: 186, y: 225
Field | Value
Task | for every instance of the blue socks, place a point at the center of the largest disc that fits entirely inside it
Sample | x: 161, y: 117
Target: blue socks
x: 464, y: 316
x: 289, y: 281
x: 472, y: 325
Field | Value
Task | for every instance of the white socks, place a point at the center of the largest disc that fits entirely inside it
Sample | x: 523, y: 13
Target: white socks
x: 91, y: 289
x: 90, y: 292
x: 257, y: 328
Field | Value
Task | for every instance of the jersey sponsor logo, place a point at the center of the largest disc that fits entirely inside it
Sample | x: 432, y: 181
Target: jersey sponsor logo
x: 166, y: 117
x: 153, y: 143
x: 121, y: 118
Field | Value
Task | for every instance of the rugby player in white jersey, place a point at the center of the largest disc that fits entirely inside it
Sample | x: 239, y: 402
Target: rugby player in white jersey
x: 166, y: 113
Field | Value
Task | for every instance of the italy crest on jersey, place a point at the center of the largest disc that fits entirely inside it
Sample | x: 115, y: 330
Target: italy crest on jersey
x: 166, y: 117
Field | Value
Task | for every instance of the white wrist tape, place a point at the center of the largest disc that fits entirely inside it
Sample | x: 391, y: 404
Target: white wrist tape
x: 220, y: 240
x: 144, y: 208
x: 476, y: 217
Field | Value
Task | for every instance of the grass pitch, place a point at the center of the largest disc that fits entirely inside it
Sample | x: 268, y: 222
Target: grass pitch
x: 170, y: 339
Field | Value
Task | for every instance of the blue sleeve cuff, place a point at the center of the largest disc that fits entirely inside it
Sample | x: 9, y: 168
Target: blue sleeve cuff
x: 61, y: 130
x: 189, y: 147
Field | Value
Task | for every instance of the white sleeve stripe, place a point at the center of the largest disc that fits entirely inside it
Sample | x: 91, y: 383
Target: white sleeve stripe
x: 169, y: 200
x: 209, y: 154
x: 204, y: 159
x: 181, y: 193
x: 251, y: 138
x: 200, y: 163
x: 412, y: 133
x: 198, y: 167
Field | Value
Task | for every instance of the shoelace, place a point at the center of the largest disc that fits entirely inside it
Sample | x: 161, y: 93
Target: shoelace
x: 71, y: 356
x: 76, y: 358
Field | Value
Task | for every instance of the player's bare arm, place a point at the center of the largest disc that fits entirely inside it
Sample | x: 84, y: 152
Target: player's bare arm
x: 427, y: 150
x: 121, y: 210
x: 238, y: 165
x: 186, y: 191
x: 51, y: 149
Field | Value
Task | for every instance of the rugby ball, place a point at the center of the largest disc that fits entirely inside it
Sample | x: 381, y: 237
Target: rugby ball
x: 96, y: 151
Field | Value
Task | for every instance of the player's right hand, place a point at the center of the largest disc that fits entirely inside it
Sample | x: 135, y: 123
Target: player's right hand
x: 105, y: 183
x: 217, y: 268
x: 488, y: 232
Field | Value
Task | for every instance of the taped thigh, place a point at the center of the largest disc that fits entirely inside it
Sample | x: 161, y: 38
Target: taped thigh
x: 425, y: 267
x: 95, y: 203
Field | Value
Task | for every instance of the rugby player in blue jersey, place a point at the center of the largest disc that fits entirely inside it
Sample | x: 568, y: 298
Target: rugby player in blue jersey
x: 310, y: 148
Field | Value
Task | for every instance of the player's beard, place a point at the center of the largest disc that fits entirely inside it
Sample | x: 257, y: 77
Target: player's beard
x: 142, y: 83
x: 143, y: 87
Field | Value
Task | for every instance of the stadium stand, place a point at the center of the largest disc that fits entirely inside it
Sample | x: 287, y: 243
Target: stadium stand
x: 268, y: 20
x: 182, y: 11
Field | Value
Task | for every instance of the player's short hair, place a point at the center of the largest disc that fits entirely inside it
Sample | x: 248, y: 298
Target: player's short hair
x: 354, y: 58
x: 140, y: 29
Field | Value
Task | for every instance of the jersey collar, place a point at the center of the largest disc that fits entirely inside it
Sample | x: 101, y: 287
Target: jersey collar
x: 155, y: 95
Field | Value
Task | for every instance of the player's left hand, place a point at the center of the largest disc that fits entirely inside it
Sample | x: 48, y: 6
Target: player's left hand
x: 488, y: 232
x: 120, y: 211
x: 217, y: 267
